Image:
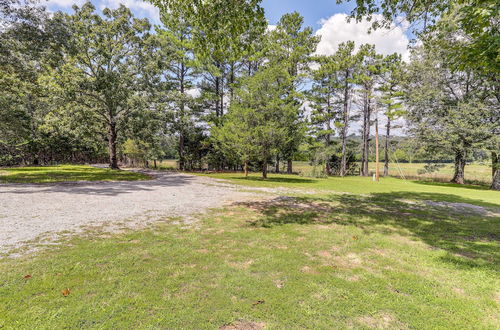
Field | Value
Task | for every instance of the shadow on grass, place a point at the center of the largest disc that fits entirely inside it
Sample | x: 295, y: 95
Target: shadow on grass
x: 454, y: 185
x: 470, y: 233
x: 273, y: 179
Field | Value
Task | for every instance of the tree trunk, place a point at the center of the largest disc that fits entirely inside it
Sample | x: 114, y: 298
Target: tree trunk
x: 277, y: 163
x: 264, y: 170
x: 386, y: 155
x: 181, y: 151
x: 366, y: 135
x: 343, y: 161
x: 113, y: 160
x: 246, y: 169
x: 217, y: 103
x: 154, y: 164
x: 495, y: 170
x: 289, y: 166
x: 328, y: 142
x: 181, y: 119
x: 328, y: 168
x: 458, y: 177
x: 377, y: 171
x: 363, y: 144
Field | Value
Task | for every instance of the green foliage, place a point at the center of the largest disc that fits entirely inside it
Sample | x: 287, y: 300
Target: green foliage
x: 74, y: 85
x: 213, y: 36
x: 476, y: 19
x: 258, y: 123
x: 391, y: 82
x: 290, y: 45
x: 447, y: 107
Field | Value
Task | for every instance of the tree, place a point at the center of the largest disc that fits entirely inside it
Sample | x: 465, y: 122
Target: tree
x: 349, y: 64
x: 368, y: 78
x: 30, y: 44
x: 290, y: 45
x: 222, y: 33
x: 448, y: 109
x: 178, y: 72
x: 102, y: 72
x: 257, y: 123
x: 219, y: 25
x: 324, y: 102
x: 494, y: 146
x: 391, y: 97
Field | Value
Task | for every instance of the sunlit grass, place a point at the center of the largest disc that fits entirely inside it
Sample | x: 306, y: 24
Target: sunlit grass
x: 45, y: 174
x: 364, y: 185
x: 474, y: 173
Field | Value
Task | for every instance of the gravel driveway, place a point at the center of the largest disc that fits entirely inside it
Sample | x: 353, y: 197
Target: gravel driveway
x: 28, y: 212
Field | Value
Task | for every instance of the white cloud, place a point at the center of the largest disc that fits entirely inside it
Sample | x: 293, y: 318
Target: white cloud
x: 271, y: 27
x: 336, y: 30
x: 65, y: 3
x: 194, y: 92
x: 139, y: 8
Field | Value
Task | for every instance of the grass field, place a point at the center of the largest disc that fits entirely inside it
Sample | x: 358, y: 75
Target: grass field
x: 363, y: 185
x: 340, y: 253
x: 45, y: 174
x: 474, y: 173
x: 167, y: 164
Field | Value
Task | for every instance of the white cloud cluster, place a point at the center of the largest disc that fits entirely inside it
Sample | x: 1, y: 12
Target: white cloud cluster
x: 336, y: 30
x: 271, y: 27
x: 64, y: 3
x: 139, y: 8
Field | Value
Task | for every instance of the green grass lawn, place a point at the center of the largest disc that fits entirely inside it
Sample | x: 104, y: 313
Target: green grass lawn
x: 362, y: 185
x: 45, y: 174
x: 474, y: 173
x: 376, y: 255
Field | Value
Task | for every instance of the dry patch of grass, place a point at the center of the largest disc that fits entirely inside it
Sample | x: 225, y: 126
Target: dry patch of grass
x: 383, y: 320
x: 244, y: 325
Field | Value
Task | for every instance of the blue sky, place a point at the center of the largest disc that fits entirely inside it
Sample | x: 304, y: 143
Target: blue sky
x: 313, y: 10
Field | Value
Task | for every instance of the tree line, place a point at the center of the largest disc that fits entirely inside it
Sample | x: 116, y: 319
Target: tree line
x: 94, y: 85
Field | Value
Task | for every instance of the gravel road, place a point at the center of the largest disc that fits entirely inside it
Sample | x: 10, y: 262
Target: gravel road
x: 32, y: 211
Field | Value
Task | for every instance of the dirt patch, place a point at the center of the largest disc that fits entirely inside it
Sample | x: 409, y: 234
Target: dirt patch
x: 241, y: 265
x: 464, y: 208
x: 348, y: 261
x: 308, y: 270
x: 325, y: 254
x: 244, y: 325
x: 279, y: 284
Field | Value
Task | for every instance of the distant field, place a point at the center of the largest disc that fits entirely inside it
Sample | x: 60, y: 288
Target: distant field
x: 60, y: 173
x: 167, y: 164
x: 473, y: 173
